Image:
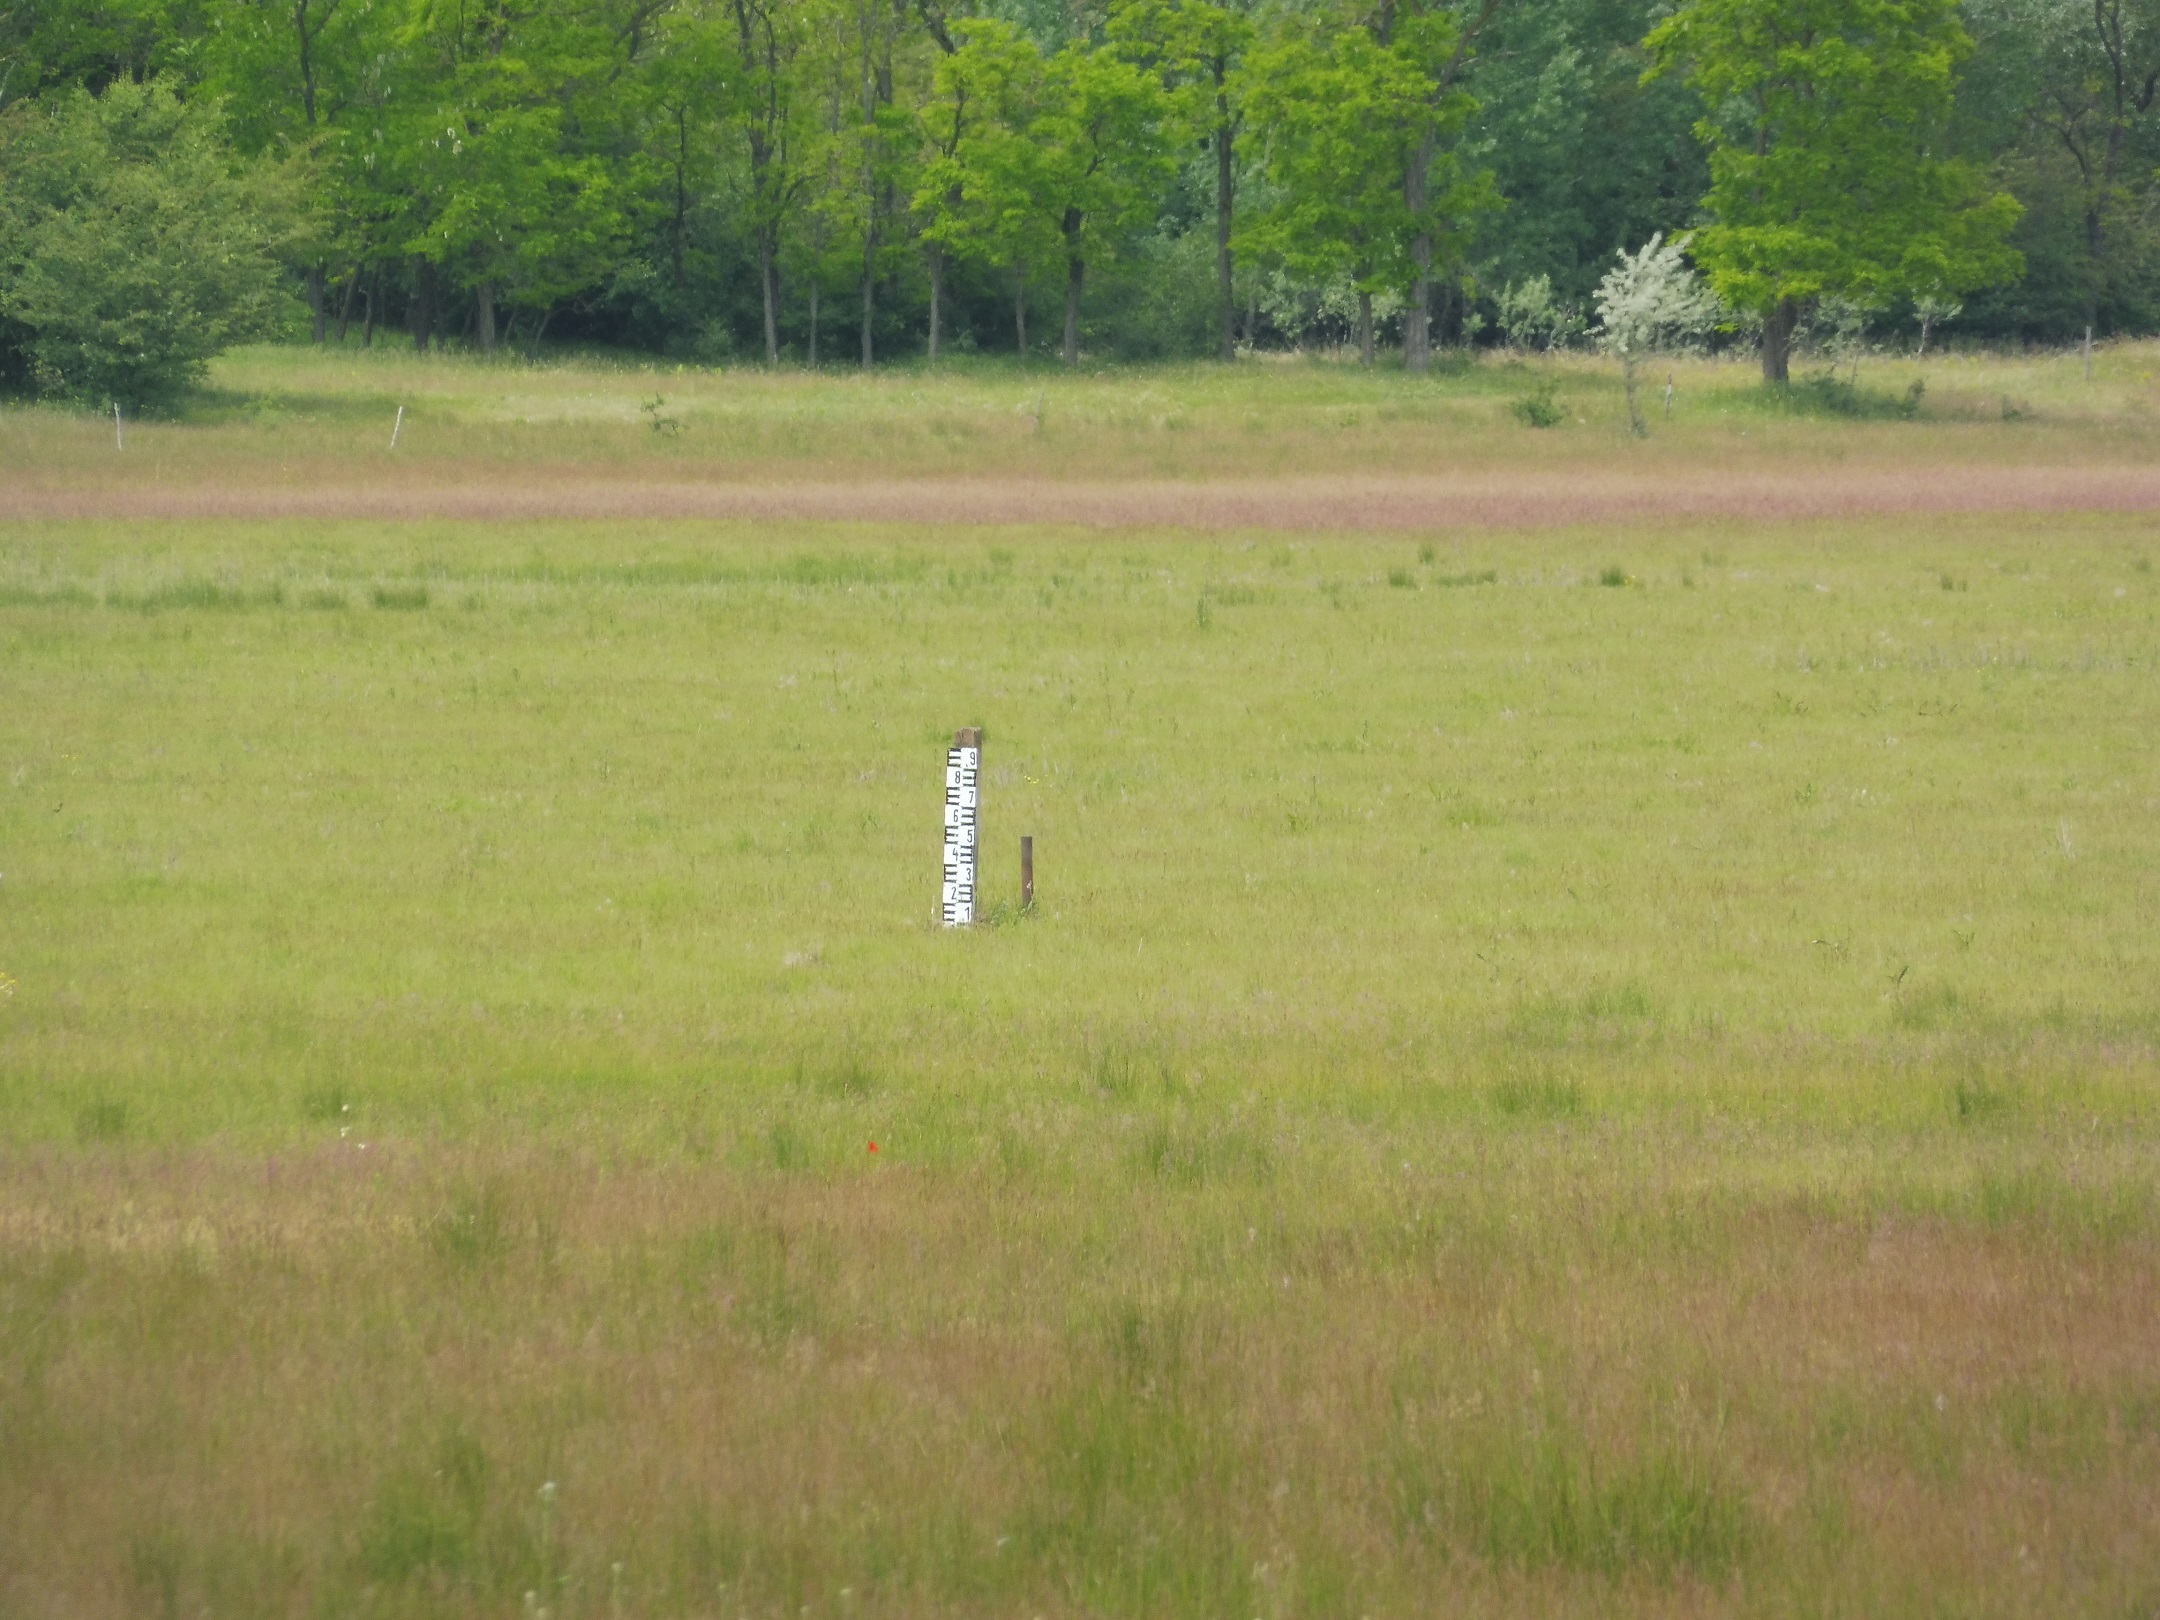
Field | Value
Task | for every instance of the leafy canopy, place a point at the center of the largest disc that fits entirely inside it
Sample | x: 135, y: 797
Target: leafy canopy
x: 1824, y: 124
x: 979, y: 195
x: 132, y: 246
x: 1348, y: 114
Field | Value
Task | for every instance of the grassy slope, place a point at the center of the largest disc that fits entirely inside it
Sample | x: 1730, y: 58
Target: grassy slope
x: 1522, y: 1093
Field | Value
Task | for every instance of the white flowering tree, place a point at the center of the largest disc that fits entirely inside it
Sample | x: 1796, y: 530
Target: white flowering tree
x: 1652, y: 302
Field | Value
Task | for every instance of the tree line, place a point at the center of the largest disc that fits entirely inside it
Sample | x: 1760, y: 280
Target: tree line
x: 825, y: 180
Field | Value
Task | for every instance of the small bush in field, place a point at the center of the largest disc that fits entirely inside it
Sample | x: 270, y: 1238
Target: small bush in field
x: 132, y: 246
x: 1537, y: 409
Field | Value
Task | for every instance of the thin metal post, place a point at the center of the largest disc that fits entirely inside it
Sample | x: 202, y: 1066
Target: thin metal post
x: 1027, y: 871
x: 397, y: 427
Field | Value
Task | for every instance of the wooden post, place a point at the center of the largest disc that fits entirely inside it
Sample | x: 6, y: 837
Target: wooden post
x: 1027, y: 872
x: 963, y: 786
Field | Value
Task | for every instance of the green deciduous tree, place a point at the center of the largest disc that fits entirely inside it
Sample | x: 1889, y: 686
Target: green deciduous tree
x: 1589, y: 158
x: 857, y: 158
x: 760, y: 90
x: 1037, y: 158
x: 1356, y: 114
x: 1199, y: 46
x: 133, y: 245
x: 1827, y: 175
x: 1338, y: 111
x: 2090, y: 81
x: 648, y: 170
x: 1102, y: 135
x: 980, y: 192
x: 285, y: 72
x: 516, y: 203
x: 86, y: 44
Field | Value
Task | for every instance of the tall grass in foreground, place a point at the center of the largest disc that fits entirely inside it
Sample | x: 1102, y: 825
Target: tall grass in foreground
x: 1545, y: 1368
x: 1591, y: 1072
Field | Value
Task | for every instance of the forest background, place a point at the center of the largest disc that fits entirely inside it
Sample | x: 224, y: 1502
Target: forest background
x: 860, y: 180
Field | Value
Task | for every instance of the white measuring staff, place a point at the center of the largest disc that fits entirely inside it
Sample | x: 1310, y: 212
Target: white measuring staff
x: 963, y: 802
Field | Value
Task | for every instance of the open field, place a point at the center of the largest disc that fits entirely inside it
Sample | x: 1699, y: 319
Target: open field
x: 1281, y: 445
x: 1587, y: 1050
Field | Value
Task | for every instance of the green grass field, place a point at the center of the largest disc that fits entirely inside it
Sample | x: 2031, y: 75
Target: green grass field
x: 1593, y: 1067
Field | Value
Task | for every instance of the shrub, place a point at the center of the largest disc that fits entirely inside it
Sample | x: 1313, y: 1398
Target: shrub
x: 132, y: 248
x: 1532, y: 318
x: 1825, y: 393
x: 1537, y: 408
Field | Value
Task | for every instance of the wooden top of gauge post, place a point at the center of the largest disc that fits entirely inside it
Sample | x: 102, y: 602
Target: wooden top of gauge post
x: 967, y: 737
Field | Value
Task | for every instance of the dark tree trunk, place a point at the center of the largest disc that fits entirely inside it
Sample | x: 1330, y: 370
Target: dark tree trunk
x: 374, y: 307
x: 869, y: 310
x: 419, y: 319
x: 1020, y: 308
x: 318, y: 303
x: 484, y: 316
x: 769, y: 282
x: 1225, y: 206
x: 539, y: 332
x: 344, y: 314
x: 1777, y: 336
x: 937, y: 299
x: 813, y: 322
x: 2095, y: 246
x: 682, y: 196
x: 1075, y: 275
x: 1364, y: 328
x: 307, y: 62
x: 1417, y: 320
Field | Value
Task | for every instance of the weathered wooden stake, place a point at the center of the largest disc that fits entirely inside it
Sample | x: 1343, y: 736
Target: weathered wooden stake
x: 119, y: 442
x: 397, y: 427
x: 963, y: 783
x: 1027, y: 872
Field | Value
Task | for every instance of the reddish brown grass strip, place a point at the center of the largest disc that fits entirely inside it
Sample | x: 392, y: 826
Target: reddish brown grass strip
x: 1514, y: 498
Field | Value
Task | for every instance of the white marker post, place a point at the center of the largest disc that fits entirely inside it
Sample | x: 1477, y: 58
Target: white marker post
x: 963, y: 801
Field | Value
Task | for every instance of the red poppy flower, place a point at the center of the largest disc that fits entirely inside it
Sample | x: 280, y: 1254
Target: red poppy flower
x: 873, y: 1147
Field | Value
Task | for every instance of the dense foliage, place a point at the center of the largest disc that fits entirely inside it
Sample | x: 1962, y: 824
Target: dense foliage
x: 816, y: 179
x: 1824, y: 177
x: 133, y: 248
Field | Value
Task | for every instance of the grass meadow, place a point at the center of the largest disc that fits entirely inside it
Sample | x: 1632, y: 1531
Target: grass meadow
x: 1581, y: 1064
